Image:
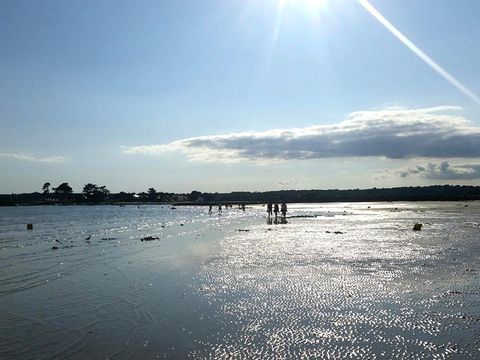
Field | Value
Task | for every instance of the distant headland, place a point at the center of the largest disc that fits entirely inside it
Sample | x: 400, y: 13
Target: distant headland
x: 93, y: 194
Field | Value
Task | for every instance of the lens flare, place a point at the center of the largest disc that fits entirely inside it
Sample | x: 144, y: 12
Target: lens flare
x: 420, y: 53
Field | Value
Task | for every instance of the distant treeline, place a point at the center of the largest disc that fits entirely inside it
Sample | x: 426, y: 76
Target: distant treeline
x: 93, y: 194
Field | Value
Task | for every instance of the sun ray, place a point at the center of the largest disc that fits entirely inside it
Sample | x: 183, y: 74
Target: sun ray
x: 417, y: 51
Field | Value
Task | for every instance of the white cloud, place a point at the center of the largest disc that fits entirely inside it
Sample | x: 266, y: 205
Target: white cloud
x: 32, y: 158
x: 443, y: 171
x: 395, y: 133
x: 288, y: 183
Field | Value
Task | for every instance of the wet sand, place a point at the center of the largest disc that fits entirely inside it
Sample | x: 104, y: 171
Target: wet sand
x: 374, y: 289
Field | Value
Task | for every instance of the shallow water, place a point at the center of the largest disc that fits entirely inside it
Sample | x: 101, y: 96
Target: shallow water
x: 375, y: 289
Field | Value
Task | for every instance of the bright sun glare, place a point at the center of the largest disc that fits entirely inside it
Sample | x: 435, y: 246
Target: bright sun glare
x: 310, y: 5
x: 314, y: 7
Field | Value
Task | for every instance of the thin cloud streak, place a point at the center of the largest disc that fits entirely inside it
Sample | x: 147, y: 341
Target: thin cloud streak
x: 32, y: 158
x: 394, y: 133
x: 417, y: 51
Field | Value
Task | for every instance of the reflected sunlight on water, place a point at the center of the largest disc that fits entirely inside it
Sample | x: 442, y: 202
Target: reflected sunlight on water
x: 336, y: 281
x: 374, y: 289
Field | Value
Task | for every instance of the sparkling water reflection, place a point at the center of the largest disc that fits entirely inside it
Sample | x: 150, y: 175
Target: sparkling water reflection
x: 353, y: 282
x: 336, y: 281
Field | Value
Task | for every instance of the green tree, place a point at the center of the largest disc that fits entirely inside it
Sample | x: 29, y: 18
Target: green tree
x: 93, y: 192
x: 152, y: 194
x: 142, y: 196
x: 46, y: 188
x: 194, y: 195
x: 123, y: 196
x: 63, y: 189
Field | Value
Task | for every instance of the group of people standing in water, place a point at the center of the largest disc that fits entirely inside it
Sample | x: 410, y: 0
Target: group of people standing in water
x: 276, y: 209
x: 240, y: 206
x: 271, y: 209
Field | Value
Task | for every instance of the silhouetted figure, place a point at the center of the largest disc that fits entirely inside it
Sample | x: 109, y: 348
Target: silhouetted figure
x: 210, y: 209
x: 219, y: 208
x: 243, y: 207
x: 275, y: 210
x: 284, y: 210
x: 269, y: 209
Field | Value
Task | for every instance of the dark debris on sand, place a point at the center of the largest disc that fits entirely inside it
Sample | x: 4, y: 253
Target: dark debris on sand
x: 149, y: 238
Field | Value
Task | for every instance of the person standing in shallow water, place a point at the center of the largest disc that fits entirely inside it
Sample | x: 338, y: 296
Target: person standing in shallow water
x: 284, y: 210
x: 275, y: 210
x: 269, y: 209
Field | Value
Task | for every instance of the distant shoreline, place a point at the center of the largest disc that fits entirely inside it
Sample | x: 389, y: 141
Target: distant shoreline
x: 426, y: 193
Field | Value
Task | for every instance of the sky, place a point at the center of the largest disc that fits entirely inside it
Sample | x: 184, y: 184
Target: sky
x: 227, y: 95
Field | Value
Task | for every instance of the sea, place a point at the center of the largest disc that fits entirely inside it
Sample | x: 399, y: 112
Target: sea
x: 331, y: 281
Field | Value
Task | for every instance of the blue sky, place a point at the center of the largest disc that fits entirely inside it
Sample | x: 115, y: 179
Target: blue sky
x: 109, y: 92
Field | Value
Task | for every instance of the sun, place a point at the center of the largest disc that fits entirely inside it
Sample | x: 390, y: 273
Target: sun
x: 309, y: 5
x: 314, y: 9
